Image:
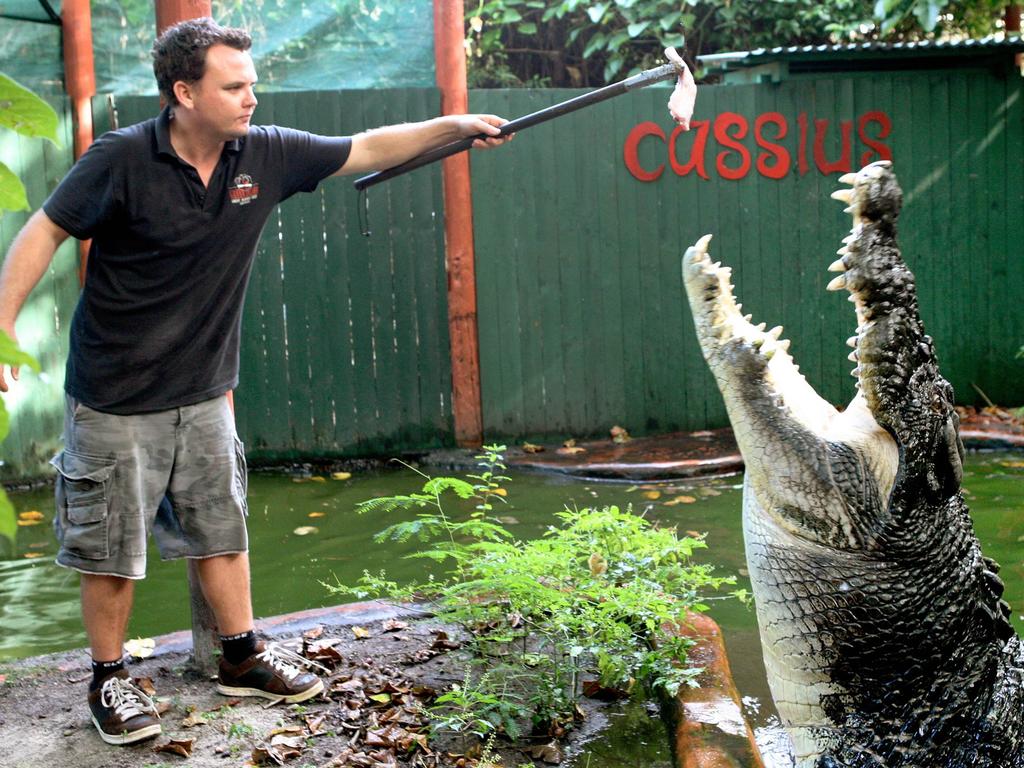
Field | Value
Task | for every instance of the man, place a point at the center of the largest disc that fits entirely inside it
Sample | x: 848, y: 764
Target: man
x: 175, y: 207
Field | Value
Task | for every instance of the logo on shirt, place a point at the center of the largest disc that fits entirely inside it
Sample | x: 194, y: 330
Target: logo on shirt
x: 244, y: 191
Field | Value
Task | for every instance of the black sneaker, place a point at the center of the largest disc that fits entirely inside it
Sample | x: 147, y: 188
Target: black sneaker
x: 121, y: 712
x: 273, y: 672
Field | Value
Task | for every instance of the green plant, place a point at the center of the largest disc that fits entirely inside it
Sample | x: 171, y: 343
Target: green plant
x: 240, y: 730
x: 25, y: 113
x: 575, y: 43
x: 590, y: 596
x: 478, y: 707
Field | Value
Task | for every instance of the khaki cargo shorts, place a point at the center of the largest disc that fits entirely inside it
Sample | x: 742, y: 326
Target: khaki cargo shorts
x: 179, y: 473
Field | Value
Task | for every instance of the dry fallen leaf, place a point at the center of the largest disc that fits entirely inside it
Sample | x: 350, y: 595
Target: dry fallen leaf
x: 304, y: 530
x: 182, y: 747
x: 393, y: 625
x: 499, y: 491
x: 140, y: 647
x: 317, y: 514
x: 31, y: 555
x: 145, y: 684
x: 340, y: 475
x: 314, y: 633
x: 1013, y: 464
x: 652, y: 495
x: 531, y: 448
x: 25, y: 523
x: 317, y: 479
x: 550, y: 753
x: 360, y: 632
x: 32, y: 514
x: 598, y: 564
x: 570, y: 443
x: 620, y: 435
x: 571, y: 450
x: 680, y: 500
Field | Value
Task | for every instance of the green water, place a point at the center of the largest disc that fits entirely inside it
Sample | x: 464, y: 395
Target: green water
x: 39, y: 600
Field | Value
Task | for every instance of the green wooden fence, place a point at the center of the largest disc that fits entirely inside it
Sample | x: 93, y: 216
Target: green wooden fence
x: 583, y: 323
x: 345, y: 349
x: 582, y: 318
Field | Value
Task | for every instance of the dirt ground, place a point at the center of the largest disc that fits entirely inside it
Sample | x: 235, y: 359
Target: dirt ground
x: 364, y: 718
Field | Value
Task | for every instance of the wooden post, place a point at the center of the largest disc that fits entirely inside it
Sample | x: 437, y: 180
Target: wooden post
x: 1011, y: 17
x: 170, y: 12
x: 80, y: 83
x: 205, y: 641
x: 450, y: 61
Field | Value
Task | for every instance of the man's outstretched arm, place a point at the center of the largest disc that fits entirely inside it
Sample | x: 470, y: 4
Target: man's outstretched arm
x: 392, y: 145
x: 28, y: 258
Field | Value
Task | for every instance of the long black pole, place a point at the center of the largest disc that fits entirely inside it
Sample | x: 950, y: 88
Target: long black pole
x: 645, y: 78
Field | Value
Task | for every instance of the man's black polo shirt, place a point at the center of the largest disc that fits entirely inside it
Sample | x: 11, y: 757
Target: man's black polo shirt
x: 158, y: 322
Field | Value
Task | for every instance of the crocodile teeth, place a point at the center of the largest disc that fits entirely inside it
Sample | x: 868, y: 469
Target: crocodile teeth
x: 837, y: 283
x: 852, y: 342
x: 702, y: 244
x: 769, y: 353
x: 848, y: 178
x: 855, y: 372
x: 851, y: 298
x: 852, y: 357
x: 748, y: 318
x: 837, y: 266
x: 843, y: 251
x: 761, y: 326
x: 843, y: 195
x: 849, y: 238
x: 775, y: 332
x: 784, y: 345
x: 849, y: 209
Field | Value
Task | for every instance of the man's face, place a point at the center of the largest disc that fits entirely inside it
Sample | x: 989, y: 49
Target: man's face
x: 223, y: 98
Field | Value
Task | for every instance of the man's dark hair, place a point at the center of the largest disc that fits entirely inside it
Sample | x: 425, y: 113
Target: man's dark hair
x: 180, y: 52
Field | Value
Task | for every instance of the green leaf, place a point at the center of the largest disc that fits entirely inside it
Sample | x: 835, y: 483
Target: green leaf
x: 8, y: 524
x: 11, y: 355
x: 667, y: 21
x: 12, y: 191
x: 927, y: 14
x: 635, y: 29
x: 596, y: 12
x: 511, y: 15
x: 612, y: 68
x: 24, y: 112
x: 595, y: 43
x: 527, y: 28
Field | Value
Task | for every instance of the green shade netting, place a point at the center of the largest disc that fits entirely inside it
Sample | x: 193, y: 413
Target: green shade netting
x: 297, y: 44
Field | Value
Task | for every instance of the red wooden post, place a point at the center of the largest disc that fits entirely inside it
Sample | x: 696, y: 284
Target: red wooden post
x: 450, y: 61
x: 205, y: 641
x: 80, y: 83
x: 170, y: 12
x: 1012, y: 17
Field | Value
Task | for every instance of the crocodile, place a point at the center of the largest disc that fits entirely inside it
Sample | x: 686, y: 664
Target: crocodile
x: 885, y: 639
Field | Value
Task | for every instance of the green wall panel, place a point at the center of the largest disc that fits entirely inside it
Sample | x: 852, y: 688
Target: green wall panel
x: 583, y: 323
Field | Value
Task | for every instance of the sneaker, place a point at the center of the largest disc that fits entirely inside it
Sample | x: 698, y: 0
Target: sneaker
x: 121, y: 712
x: 273, y: 672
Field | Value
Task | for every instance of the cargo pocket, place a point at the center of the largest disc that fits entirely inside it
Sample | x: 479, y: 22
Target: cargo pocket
x: 241, y: 476
x: 83, y: 504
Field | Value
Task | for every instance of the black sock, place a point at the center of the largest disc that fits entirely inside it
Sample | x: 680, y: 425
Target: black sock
x: 238, y: 648
x: 101, y: 670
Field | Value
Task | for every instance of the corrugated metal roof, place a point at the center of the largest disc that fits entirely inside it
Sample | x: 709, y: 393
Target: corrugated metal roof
x: 873, y: 50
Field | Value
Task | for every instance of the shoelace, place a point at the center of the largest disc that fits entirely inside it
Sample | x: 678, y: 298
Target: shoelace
x: 127, y: 701
x: 288, y: 663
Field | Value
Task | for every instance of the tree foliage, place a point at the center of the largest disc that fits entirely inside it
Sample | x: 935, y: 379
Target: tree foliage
x: 572, y: 43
